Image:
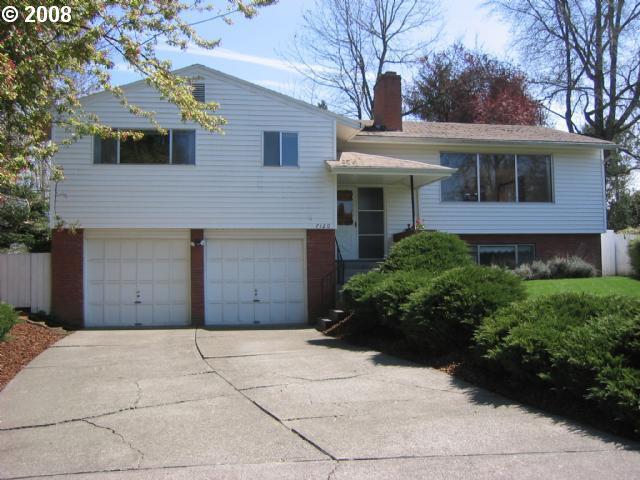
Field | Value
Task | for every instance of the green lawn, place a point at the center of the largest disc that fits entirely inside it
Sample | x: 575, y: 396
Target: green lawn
x: 596, y: 285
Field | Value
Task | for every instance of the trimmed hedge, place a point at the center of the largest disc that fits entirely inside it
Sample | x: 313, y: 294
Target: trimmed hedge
x: 583, y: 345
x: 443, y: 316
x: 8, y: 318
x: 377, y: 298
x: 428, y: 251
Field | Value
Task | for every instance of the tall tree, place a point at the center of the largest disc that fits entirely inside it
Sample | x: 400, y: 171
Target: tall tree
x: 41, y: 62
x: 585, y: 57
x: 460, y: 85
x: 344, y: 45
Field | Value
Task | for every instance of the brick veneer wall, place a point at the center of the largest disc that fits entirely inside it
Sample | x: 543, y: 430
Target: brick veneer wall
x: 586, y: 246
x: 197, y: 278
x: 321, y: 259
x: 67, y: 296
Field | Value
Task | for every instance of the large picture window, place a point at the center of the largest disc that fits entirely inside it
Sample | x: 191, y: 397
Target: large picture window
x: 463, y: 185
x: 497, y: 178
x: 178, y: 147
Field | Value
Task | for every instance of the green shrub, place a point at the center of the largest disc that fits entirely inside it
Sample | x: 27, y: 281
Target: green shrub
x: 536, y: 270
x: 394, y: 289
x: 520, y: 338
x: 429, y: 251
x: 356, y: 293
x: 443, y: 317
x: 634, y: 255
x: 581, y: 345
x: 571, y: 267
x: 8, y: 318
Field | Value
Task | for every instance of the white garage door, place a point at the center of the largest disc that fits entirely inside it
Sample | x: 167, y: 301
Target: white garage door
x: 136, y: 282
x: 255, y: 282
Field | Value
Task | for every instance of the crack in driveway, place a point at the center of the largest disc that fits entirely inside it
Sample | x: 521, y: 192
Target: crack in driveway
x: 260, y: 407
x: 121, y: 437
x: 106, y: 414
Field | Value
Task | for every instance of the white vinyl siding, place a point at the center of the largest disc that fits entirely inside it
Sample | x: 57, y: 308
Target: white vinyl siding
x: 227, y: 188
x: 577, y: 207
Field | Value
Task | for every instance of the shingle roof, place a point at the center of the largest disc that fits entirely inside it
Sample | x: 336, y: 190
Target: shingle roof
x: 365, y: 160
x: 470, y: 132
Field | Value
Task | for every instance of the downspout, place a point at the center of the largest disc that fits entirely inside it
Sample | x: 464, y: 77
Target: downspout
x: 413, y: 203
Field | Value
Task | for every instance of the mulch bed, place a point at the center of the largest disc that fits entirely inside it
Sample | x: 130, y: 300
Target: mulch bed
x: 25, y: 341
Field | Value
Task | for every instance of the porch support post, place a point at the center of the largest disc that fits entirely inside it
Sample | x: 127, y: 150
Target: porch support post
x: 413, y: 203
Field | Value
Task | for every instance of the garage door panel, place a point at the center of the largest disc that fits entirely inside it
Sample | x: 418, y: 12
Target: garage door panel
x: 294, y: 272
x: 241, y: 271
x: 245, y: 270
x: 95, y: 251
x: 127, y: 249
x: 230, y: 270
x: 156, y: 268
x: 128, y: 271
x: 96, y: 272
x: 262, y: 270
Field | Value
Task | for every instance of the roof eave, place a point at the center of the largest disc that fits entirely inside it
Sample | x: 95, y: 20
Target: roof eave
x: 380, y: 139
x: 346, y: 169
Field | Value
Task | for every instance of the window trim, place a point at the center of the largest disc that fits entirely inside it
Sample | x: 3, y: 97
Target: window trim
x: 280, y: 165
x: 171, y: 164
x: 514, y: 245
x: 517, y: 193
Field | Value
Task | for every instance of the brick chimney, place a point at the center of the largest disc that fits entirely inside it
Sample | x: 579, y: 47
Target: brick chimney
x: 387, y: 102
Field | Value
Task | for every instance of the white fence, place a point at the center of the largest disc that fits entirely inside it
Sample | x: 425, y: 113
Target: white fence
x: 615, y: 254
x: 25, y: 280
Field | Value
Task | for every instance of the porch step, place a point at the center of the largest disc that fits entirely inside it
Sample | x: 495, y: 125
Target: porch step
x: 334, y: 317
x: 324, y: 324
x: 353, y: 267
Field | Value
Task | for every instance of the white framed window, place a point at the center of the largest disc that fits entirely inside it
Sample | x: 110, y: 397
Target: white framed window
x: 503, y: 255
x: 507, y: 178
x: 176, y: 148
x: 280, y: 149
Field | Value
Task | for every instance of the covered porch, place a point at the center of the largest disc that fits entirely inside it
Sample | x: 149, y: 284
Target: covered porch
x: 376, y: 198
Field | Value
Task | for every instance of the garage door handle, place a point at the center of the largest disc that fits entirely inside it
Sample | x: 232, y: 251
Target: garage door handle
x: 256, y: 300
x: 137, y: 301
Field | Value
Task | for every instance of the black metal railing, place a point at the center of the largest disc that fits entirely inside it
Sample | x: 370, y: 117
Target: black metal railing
x: 339, y: 265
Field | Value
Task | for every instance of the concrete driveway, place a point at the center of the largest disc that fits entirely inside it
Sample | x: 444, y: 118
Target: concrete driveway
x: 198, y: 404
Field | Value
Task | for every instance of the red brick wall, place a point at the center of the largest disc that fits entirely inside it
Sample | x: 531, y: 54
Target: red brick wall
x: 586, y: 246
x: 197, y: 278
x: 387, y: 102
x: 67, y: 277
x: 321, y: 260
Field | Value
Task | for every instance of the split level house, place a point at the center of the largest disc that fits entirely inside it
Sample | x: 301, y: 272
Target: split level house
x: 248, y: 227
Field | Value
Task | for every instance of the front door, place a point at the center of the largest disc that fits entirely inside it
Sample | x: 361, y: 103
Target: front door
x: 370, y: 223
x: 347, y: 231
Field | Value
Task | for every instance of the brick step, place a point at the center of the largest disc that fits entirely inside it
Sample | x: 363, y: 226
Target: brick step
x: 324, y: 324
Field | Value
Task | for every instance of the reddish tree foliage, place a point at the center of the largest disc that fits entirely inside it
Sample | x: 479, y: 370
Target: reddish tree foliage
x: 459, y: 85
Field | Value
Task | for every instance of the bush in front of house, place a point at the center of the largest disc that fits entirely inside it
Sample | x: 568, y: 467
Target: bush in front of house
x: 634, y: 256
x: 584, y: 345
x: 356, y: 293
x: 571, y: 267
x: 429, y: 251
x: 8, y: 318
x: 536, y: 270
x: 557, y: 267
x: 442, y: 317
x: 394, y: 289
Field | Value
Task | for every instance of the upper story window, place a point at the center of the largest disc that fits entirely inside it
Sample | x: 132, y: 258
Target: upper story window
x: 198, y: 91
x: 497, y: 178
x: 176, y: 148
x: 280, y: 149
